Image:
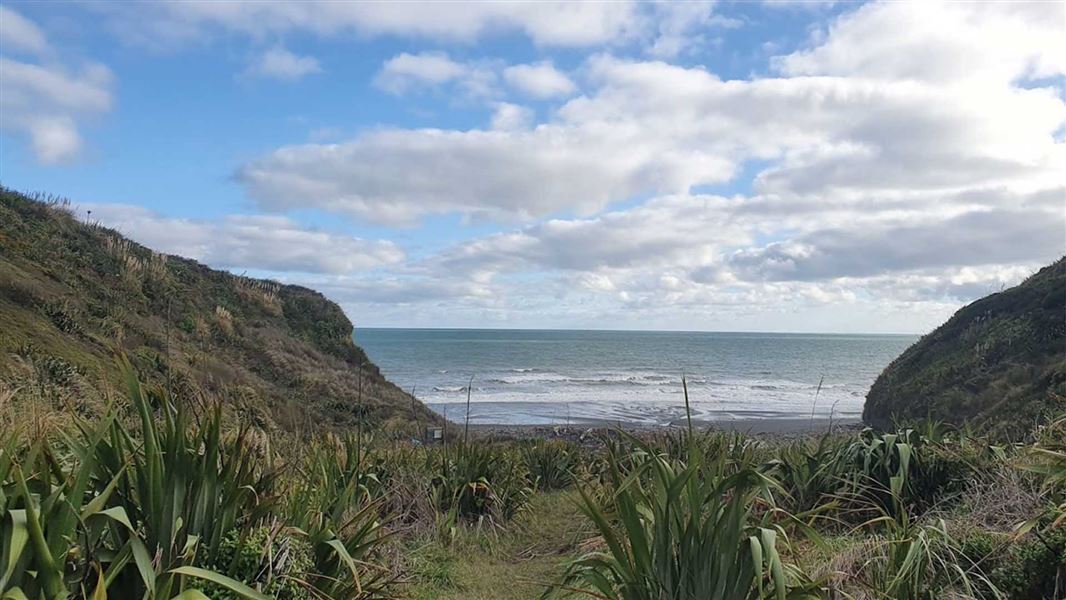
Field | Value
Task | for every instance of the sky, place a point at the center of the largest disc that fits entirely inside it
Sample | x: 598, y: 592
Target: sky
x: 755, y: 166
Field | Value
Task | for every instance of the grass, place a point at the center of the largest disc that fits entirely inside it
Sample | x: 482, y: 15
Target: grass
x: 680, y: 529
x: 997, y: 361
x: 517, y: 563
x: 80, y: 293
x: 151, y: 512
x: 246, y: 449
x: 166, y: 496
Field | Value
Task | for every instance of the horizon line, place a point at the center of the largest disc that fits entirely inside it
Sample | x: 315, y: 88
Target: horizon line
x: 355, y: 329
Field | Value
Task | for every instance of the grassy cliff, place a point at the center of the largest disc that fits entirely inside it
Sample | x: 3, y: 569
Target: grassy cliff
x: 1000, y: 362
x: 75, y: 295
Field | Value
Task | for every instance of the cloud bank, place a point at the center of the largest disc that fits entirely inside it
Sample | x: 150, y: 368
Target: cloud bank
x: 46, y: 95
x: 902, y: 159
x: 931, y: 158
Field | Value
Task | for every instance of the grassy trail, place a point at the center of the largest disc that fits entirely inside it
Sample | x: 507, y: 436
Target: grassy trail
x: 515, y: 564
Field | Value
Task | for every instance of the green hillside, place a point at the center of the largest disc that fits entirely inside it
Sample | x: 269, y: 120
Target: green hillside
x: 999, y: 362
x: 74, y: 295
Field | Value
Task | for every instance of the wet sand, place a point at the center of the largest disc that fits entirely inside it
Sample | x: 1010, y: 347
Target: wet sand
x: 789, y: 428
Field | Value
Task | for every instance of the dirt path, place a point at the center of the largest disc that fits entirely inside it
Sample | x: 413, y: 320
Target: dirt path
x: 513, y: 564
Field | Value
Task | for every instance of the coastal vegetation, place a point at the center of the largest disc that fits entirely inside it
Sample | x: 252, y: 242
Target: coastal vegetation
x: 73, y: 294
x: 165, y: 497
x: 168, y: 431
x: 998, y: 362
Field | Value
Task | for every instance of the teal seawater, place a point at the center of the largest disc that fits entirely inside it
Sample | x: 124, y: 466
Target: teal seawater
x: 549, y: 376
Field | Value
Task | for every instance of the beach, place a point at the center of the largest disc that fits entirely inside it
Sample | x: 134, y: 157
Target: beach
x: 586, y: 378
x: 764, y: 428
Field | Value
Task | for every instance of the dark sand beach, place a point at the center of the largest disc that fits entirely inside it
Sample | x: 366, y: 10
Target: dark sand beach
x: 764, y: 428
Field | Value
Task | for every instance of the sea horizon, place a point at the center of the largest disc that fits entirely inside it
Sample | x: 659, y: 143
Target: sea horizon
x: 359, y: 328
x: 557, y: 376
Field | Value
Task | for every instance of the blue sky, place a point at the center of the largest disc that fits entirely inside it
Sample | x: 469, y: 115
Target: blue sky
x: 727, y: 166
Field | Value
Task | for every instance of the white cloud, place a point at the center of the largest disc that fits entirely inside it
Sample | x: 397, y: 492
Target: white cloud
x: 540, y: 80
x: 504, y: 175
x: 19, y: 33
x: 477, y: 80
x: 684, y: 242
x: 279, y: 63
x: 677, y: 262
x: 402, y: 290
x: 975, y: 237
x: 908, y: 156
x: 571, y: 24
x: 668, y: 231
x: 682, y: 27
x: 510, y: 117
x: 660, y: 28
x: 44, y: 102
x: 939, y: 42
x: 899, y: 180
x: 240, y: 242
x: 405, y: 73
x: 649, y: 127
x: 961, y: 284
x: 53, y: 139
x: 32, y: 84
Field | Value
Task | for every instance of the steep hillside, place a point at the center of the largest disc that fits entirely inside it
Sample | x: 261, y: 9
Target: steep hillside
x: 74, y: 295
x: 1000, y: 361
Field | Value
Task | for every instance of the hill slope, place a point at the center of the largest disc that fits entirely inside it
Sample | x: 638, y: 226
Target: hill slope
x: 73, y: 295
x: 1000, y: 361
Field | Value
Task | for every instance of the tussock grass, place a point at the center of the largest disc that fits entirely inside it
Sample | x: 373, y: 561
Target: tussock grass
x: 110, y: 510
x: 81, y: 293
x: 677, y: 530
x: 162, y: 495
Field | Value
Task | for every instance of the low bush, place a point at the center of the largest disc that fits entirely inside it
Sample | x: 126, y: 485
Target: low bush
x: 273, y: 559
x: 157, y: 511
x: 809, y: 471
x: 1033, y: 568
x: 679, y: 530
x: 159, y: 498
x: 478, y: 480
x: 908, y: 469
x: 551, y: 463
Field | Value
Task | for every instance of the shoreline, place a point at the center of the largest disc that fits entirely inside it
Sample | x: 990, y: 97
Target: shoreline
x: 634, y: 415
x: 787, y: 428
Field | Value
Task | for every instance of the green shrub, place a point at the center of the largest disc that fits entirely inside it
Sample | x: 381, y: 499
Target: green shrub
x: 104, y: 514
x: 877, y: 468
x: 551, y: 463
x: 336, y: 502
x: 1026, y: 569
x: 434, y: 565
x: 1047, y: 458
x: 919, y: 561
x: 911, y: 559
x: 908, y: 469
x: 62, y: 316
x: 810, y: 472
x: 272, y: 560
x: 679, y: 530
x: 111, y: 511
x: 947, y: 468
x: 481, y: 480
x: 187, y: 324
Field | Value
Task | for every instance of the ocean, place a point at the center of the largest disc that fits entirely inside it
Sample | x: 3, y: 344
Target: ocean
x: 559, y: 377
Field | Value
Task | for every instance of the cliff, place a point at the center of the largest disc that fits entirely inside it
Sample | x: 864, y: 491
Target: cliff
x: 74, y: 295
x: 999, y: 362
